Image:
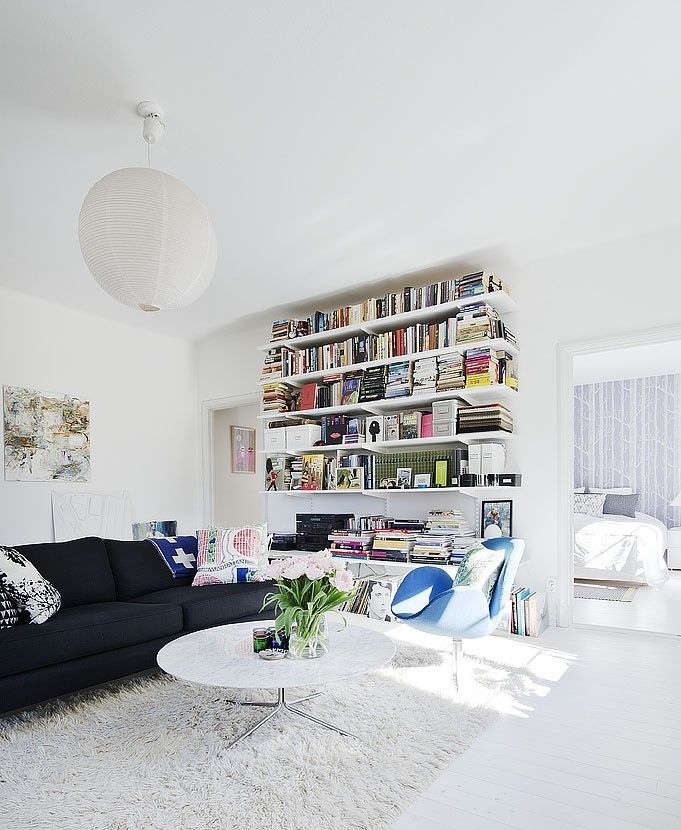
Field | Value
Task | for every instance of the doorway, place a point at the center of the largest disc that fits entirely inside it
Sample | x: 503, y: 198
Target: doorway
x: 233, y: 466
x: 620, y: 479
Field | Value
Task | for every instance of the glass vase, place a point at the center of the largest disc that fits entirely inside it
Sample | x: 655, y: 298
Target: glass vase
x: 309, y: 637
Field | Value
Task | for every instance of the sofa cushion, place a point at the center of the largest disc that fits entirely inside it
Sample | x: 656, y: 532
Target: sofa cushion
x: 83, y: 630
x: 79, y: 570
x: 36, y: 598
x: 139, y: 569
x: 209, y: 605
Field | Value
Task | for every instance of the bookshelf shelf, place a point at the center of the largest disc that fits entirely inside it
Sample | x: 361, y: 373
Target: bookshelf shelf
x: 499, y: 300
x: 459, y: 348
x: 395, y: 446
x: 386, y: 564
x: 381, y: 494
x: 475, y: 394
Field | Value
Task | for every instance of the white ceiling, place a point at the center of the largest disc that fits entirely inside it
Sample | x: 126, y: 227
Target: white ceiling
x: 339, y: 142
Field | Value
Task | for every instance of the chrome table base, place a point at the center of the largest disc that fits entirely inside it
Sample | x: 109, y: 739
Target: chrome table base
x: 279, y: 704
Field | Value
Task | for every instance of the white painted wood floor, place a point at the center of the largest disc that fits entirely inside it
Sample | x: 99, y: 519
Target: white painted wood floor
x: 590, y: 737
x: 652, y: 609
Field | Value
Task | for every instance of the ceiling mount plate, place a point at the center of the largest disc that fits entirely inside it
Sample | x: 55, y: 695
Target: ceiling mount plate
x: 146, y: 108
x: 154, y: 121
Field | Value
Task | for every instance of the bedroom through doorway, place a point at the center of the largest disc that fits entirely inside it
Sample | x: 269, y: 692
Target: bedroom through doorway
x: 626, y: 516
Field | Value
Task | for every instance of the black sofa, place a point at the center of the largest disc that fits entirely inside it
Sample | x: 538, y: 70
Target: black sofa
x: 120, y: 604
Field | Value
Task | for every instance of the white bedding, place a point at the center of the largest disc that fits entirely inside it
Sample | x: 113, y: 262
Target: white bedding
x: 620, y: 548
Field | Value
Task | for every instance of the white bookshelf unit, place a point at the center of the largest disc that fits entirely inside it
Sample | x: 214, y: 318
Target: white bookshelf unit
x: 415, y: 502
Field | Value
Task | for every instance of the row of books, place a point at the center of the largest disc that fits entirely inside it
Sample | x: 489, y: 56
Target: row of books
x: 448, y: 373
x: 443, y: 539
x: 282, y: 362
x: 377, y: 308
x: 528, y: 615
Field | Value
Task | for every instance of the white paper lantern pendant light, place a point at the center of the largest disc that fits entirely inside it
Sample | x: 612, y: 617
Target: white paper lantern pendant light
x: 146, y: 238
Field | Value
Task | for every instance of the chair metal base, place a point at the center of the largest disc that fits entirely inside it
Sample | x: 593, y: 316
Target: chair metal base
x: 279, y: 704
x: 457, y: 661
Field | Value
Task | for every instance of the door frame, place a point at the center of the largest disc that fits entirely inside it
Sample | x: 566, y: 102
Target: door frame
x: 208, y: 410
x: 566, y: 439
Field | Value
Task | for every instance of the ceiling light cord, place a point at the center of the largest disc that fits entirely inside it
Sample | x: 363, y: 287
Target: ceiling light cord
x: 148, y: 154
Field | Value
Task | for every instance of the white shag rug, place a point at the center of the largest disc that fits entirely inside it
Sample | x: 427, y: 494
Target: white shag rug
x: 150, y: 754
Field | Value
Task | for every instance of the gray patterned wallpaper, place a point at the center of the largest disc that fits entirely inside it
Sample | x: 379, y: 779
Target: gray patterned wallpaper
x: 628, y: 434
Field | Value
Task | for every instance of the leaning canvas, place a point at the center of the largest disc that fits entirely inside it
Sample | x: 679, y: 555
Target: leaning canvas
x: 47, y: 436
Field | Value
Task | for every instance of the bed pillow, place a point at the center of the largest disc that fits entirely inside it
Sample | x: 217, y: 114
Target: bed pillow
x: 589, y: 503
x: 35, y: 597
x: 232, y: 554
x: 579, y: 490
x: 620, y: 505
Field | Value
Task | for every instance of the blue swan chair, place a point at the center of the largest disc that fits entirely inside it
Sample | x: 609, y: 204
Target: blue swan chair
x: 428, y: 600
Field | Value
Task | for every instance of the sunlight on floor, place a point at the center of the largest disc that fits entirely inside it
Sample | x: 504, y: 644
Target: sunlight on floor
x: 506, y: 674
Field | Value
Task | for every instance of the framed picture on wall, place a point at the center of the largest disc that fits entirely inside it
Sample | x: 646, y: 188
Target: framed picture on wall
x: 497, y: 519
x: 243, y: 449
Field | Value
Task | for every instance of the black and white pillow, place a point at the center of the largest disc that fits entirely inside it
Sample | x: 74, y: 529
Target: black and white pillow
x: 34, y: 596
x: 589, y: 503
x: 9, y: 613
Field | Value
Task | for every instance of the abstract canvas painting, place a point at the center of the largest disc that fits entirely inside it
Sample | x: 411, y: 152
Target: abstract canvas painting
x: 47, y: 436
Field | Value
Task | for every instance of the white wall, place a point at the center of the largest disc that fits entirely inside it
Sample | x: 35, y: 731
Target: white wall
x: 581, y: 295
x: 236, y: 495
x: 144, y: 422
x: 626, y: 364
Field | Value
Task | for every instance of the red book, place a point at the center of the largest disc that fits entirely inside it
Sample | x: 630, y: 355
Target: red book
x: 308, y: 396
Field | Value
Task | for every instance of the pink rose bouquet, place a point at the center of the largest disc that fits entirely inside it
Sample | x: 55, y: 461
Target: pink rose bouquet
x: 308, y: 587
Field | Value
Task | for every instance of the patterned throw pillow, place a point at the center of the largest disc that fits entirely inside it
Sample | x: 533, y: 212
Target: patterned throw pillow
x: 480, y: 567
x: 9, y: 613
x: 33, y: 595
x: 234, y: 554
x: 589, y: 503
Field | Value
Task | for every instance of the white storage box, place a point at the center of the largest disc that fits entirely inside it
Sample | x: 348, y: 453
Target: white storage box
x: 303, y: 436
x: 445, y: 410
x: 275, y: 439
x: 443, y: 428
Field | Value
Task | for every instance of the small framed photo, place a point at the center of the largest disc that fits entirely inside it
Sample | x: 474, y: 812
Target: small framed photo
x: 388, y: 484
x: 404, y: 478
x: 349, y: 478
x: 243, y: 449
x: 497, y: 519
x: 421, y: 481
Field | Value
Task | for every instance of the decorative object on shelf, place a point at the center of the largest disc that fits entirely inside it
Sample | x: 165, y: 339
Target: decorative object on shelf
x: 404, y: 478
x: 154, y: 530
x: 307, y: 588
x: 442, y: 473
x: 145, y: 237
x: 349, y: 478
x: 47, y: 436
x: 421, y: 480
x: 243, y: 449
x: 497, y: 519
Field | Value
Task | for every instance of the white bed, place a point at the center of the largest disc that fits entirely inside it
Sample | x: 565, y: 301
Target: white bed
x: 621, y: 549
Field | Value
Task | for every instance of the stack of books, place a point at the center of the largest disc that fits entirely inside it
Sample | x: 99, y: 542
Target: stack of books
x: 489, y: 418
x: 448, y: 523
x: 353, y: 544
x: 460, y: 547
x: 399, y: 380
x: 478, y: 322
x: 393, y: 545
x: 273, y: 364
x: 434, y: 550
x: 450, y: 373
x: 276, y: 397
x: 372, y: 387
x: 481, y: 367
x: 424, y: 376
x: 480, y: 283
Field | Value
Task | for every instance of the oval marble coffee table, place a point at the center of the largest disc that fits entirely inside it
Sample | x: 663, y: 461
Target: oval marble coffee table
x: 224, y: 657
